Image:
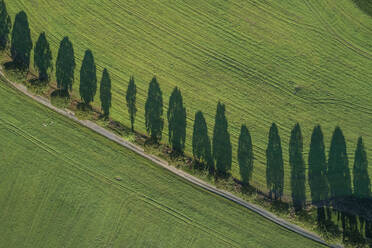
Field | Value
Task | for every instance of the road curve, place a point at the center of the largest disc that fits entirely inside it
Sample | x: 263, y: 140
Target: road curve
x: 98, y: 129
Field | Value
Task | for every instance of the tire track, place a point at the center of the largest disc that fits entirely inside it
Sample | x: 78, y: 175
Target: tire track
x: 341, y: 40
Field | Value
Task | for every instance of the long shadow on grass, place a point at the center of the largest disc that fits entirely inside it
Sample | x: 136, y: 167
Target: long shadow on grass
x: 60, y: 93
x: 364, y: 5
x: 10, y: 65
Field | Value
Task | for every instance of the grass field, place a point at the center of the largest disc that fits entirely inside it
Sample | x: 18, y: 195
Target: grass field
x: 285, y: 61
x: 58, y: 188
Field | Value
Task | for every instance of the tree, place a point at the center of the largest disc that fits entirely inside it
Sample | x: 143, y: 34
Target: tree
x: 368, y: 230
x: 338, y: 173
x: 245, y: 155
x: 274, y: 164
x: 43, y: 57
x: 222, y: 152
x: 154, y: 111
x: 21, y: 44
x: 362, y: 183
x: 176, y: 122
x: 131, y: 101
x: 88, y: 78
x: 65, y: 66
x: 5, y: 25
x: 201, y: 144
x: 105, y: 93
x: 297, y: 164
x: 317, y: 174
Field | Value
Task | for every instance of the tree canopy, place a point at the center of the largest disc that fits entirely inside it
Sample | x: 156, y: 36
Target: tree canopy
x: 43, y: 57
x: 362, y: 182
x: 176, y: 122
x: 154, y: 111
x: 245, y: 155
x: 338, y: 173
x: 222, y: 151
x: 131, y: 101
x: 65, y: 65
x: 105, y: 93
x: 201, y: 144
x: 274, y: 164
x: 317, y: 174
x: 21, y: 43
x: 5, y: 25
x: 88, y: 78
x: 297, y: 165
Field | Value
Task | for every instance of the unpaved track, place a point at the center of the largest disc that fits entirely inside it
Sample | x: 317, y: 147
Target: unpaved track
x: 91, y: 125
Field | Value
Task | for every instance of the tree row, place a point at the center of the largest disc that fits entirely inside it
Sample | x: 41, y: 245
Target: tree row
x: 328, y: 178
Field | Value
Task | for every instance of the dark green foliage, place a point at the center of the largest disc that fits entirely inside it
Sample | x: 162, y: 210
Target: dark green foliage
x: 321, y: 215
x: 274, y: 163
x: 21, y: 44
x: 5, y: 25
x: 43, y: 57
x: 368, y: 230
x: 297, y: 164
x: 362, y: 183
x: 176, y: 122
x: 154, y: 111
x: 245, y: 155
x: 317, y: 174
x: 88, y: 78
x: 131, y: 101
x: 65, y: 65
x: 201, y: 144
x: 338, y: 173
x: 105, y: 93
x: 350, y: 232
x: 222, y: 152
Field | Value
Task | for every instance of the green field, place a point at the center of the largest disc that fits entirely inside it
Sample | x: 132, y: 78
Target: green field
x: 285, y: 61
x: 58, y: 188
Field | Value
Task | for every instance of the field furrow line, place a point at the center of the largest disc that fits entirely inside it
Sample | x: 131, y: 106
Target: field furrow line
x: 115, y: 229
x: 224, y: 59
x: 352, y: 17
x: 341, y: 40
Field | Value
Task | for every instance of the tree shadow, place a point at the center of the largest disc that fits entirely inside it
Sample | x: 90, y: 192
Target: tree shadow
x: 84, y: 107
x: 203, y: 167
x: 38, y: 82
x: 364, y: 5
x: 119, y: 128
x: 305, y: 215
x: 13, y: 66
x: 151, y: 142
x: 280, y: 206
x: 103, y: 117
x: 10, y: 65
x: 330, y: 228
x: 246, y: 188
x: 197, y: 165
x: 59, y: 93
x: 221, y: 175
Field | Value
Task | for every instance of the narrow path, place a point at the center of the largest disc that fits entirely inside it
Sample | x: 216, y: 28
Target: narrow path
x: 91, y: 125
